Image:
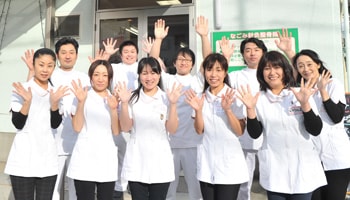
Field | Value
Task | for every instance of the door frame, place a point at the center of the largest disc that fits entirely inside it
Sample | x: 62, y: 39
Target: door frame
x: 142, y: 16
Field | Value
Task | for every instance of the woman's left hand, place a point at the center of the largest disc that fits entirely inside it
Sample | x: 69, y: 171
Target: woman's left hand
x: 57, y: 95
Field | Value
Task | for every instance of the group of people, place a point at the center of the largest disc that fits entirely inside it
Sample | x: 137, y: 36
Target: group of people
x: 133, y: 124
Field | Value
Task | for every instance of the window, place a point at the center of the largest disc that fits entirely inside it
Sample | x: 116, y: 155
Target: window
x: 67, y: 26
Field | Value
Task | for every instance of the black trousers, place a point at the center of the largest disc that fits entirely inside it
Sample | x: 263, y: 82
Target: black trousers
x: 144, y: 191
x: 337, y: 183
x: 219, y: 191
x: 30, y: 188
x: 86, y: 190
x: 283, y: 196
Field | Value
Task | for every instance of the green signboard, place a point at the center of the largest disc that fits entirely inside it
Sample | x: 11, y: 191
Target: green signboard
x: 236, y: 37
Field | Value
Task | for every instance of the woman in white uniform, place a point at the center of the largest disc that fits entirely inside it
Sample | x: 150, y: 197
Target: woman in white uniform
x: 220, y: 161
x: 150, y: 114
x: 32, y: 162
x: 94, y: 162
x: 333, y: 143
x: 287, y: 117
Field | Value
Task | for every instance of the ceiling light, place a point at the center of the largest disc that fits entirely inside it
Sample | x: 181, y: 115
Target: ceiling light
x: 168, y: 3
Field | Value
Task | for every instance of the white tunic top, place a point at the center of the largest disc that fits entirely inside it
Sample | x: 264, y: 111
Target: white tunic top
x: 240, y: 78
x: 125, y: 73
x: 95, y: 156
x: 288, y: 159
x: 65, y: 136
x: 33, y: 152
x: 220, y: 158
x: 333, y: 143
x: 185, y: 136
x: 148, y: 158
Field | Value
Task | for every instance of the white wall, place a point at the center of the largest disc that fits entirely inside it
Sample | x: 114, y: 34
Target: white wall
x: 318, y: 23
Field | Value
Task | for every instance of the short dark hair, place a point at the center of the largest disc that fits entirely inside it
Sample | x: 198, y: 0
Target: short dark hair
x: 259, y: 43
x: 64, y: 41
x: 105, y: 63
x: 185, y: 51
x: 127, y: 43
x: 275, y: 59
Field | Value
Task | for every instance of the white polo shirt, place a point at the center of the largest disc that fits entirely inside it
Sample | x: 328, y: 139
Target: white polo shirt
x: 95, y: 156
x: 33, y: 152
x: 288, y: 159
x: 148, y: 158
x: 240, y: 78
x: 185, y: 136
x: 333, y: 143
x: 65, y: 136
x: 220, y: 158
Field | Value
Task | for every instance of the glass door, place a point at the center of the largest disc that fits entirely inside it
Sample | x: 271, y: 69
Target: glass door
x: 139, y: 24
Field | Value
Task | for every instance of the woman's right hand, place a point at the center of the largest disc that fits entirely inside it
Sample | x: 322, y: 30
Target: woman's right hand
x: 21, y: 91
x: 122, y: 92
x: 192, y: 99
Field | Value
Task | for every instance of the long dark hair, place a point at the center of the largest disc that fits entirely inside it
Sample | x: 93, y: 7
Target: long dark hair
x: 314, y: 57
x: 208, y: 64
x: 275, y: 59
x: 155, y: 66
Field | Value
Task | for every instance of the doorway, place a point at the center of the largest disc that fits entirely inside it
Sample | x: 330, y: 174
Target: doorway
x: 137, y: 25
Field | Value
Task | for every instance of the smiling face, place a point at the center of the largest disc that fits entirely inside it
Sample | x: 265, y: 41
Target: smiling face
x: 149, y: 80
x: 215, y: 76
x: 274, y: 76
x: 99, y: 79
x: 252, y: 55
x: 43, y: 67
x: 183, y: 64
x: 67, y: 57
x: 307, y: 68
x: 129, y: 54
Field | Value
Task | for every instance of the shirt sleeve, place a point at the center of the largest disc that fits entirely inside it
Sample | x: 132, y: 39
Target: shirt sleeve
x: 312, y: 122
x: 18, y: 119
x: 335, y: 111
x: 56, y: 118
x: 254, y: 128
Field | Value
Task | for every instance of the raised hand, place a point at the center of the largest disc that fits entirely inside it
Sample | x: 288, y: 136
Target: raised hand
x: 21, y: 91
x: 160, y: 31
x: 202, y: 26
x: 100, y: 55
x: 285, y: 40
x: 109, y: 46
x: 174, y: 93
x: 123, y: 92
x: 226, y: 48
x: 192, y: 99
x: 245, y: 95
x: 28, y: 59
x: 324, y: 80
x: 227, y: 99
x: 57, y: 95
x: 306, y: 90
x: 147, y: 44
x: 79, y: 91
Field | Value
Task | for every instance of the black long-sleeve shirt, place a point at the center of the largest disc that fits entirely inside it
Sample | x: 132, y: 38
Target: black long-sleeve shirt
x: 19, y: 120
x: 313, y: 124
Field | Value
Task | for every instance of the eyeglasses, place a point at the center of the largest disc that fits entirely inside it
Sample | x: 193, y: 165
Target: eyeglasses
x: 184, y: 59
